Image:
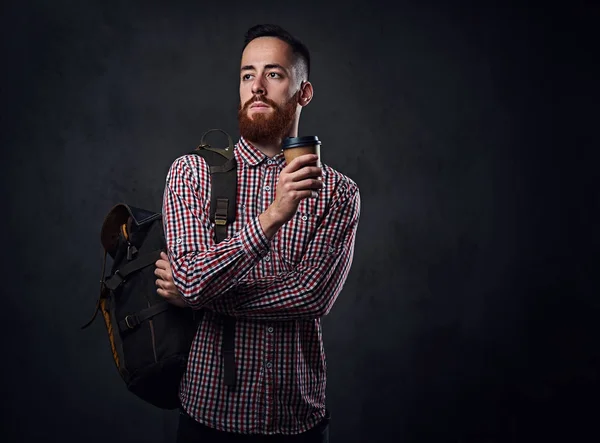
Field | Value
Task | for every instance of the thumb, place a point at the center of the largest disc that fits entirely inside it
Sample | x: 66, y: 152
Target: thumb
x: 163, y: 255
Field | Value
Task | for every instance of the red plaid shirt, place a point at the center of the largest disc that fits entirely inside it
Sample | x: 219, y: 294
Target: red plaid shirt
x: 278, y: 290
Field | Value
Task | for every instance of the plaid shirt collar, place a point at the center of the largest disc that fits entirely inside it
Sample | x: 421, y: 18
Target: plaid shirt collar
x: 253, y: 156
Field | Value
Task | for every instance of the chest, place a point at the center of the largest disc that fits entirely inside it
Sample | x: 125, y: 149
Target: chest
x: 257, y: 189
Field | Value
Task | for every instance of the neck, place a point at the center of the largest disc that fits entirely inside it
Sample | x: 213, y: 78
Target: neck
x: 271, y: 149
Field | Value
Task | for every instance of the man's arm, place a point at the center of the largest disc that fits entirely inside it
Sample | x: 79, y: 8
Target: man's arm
x: 202, y: 269
x: 310, y: 290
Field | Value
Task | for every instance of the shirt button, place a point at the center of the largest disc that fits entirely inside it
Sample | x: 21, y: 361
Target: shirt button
x: 267, y: 188
x: 331, y: 250
x: 304, y: 217
x: 179, y: 241
x: 269, y: 365
x: 270, y: 329
x: 267, y: 258
x: 270, y: 162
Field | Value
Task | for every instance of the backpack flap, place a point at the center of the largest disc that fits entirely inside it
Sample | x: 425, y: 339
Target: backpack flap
x: 123, y: 215
x: 123, y: 233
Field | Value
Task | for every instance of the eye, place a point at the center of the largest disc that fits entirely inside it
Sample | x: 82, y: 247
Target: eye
x: 274, y: 75
x: 246, y: 77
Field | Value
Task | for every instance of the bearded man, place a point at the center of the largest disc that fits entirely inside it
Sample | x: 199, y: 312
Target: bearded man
x: 279, y: 271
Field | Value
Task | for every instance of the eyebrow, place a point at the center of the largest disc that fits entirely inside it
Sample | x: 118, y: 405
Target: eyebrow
x: 269, y: 66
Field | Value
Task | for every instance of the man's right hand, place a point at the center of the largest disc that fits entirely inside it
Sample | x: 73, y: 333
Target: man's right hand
x: 297, y: 181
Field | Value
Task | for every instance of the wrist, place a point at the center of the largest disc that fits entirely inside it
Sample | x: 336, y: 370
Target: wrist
x: 177, y: 301
x: 270, y: 222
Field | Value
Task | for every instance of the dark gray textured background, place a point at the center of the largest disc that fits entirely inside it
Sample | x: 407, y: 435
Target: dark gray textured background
x: 470, y: 311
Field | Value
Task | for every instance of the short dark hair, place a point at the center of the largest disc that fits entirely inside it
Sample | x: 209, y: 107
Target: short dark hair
x: 299, y: 49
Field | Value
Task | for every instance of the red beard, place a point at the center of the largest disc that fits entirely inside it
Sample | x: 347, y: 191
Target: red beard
x: 267, y: 128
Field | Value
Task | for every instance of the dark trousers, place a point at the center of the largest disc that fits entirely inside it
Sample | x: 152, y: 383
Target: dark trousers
x: 190, y: 431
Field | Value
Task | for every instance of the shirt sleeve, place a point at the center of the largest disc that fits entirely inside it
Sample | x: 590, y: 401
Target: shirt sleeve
x: 311, y: 289
x: 203, y: 270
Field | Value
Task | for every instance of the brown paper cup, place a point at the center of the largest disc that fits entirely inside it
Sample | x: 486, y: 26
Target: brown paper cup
x: 297, y: 146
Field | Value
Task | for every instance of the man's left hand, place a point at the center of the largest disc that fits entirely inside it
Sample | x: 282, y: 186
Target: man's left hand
x: 165, y: 286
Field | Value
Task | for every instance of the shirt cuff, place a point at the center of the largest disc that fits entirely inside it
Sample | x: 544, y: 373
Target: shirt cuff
x: 254, y: 240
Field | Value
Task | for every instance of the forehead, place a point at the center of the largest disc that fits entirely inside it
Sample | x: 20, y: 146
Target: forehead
x: 267, y: 50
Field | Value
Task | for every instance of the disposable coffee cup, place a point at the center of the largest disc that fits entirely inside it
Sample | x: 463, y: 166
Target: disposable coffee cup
x: 296, y: 146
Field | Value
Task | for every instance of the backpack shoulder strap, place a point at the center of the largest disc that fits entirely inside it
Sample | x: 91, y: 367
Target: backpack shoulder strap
x: 223, y: 204
x: 223, y: 172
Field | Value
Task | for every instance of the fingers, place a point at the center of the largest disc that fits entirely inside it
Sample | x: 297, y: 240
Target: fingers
x: 307, y: 172
x: 297, y: 195
x: 308, y: 184
x: 163, y: 261
x: 163, y: 274
x: 163, y: 293
x: 166, y: 289
x: 301, y: 161
x: 164, y: 283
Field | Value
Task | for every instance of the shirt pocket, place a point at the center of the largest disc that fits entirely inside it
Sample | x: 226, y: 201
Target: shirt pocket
x: 295, y: 236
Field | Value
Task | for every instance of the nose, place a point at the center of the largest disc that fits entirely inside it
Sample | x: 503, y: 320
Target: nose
x: 258, y: 87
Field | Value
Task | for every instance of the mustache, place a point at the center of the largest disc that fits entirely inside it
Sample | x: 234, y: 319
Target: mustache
x: 258, y: 98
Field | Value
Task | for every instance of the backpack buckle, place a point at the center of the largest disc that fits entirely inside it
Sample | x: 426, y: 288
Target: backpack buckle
x: 221, y: 211
x: 132, y: 321
x: 115, y: 281
x: 131, y: 251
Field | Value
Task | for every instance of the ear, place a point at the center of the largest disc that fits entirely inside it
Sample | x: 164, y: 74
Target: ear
x: 306, y: 93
